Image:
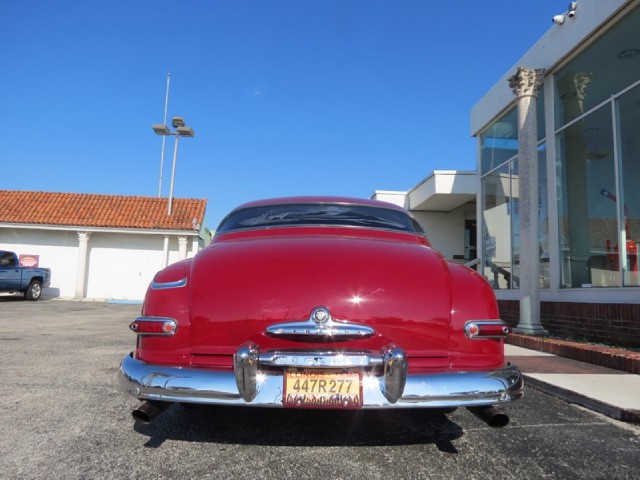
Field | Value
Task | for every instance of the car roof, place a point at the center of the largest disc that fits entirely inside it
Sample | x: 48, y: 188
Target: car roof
x: 319, y: 199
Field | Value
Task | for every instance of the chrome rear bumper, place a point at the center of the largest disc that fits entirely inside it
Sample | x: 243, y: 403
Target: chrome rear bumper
x: 249, y: 385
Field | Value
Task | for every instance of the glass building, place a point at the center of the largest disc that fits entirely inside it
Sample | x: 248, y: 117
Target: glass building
x: 588, y: 145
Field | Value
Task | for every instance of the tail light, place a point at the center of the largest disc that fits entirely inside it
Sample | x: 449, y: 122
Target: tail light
x: 154, y: 326
x: 482, y: 329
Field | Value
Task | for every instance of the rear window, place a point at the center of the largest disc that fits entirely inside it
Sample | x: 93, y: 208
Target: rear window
x: 303, y: 214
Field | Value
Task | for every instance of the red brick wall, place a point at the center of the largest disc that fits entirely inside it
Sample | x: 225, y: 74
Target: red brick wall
x: 608, y: 357
x: 612, y: 323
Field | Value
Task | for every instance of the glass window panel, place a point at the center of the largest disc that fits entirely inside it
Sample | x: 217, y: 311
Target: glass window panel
x: 629, y: 141
x: 588, y: 220
x: 496, y: 188
x: 514, y: 211
x: 499, y: 142
x: 608, y: 65
x: 543, y: 217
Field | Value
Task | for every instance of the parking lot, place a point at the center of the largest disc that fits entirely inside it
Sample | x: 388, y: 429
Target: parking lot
x: 63, y: 417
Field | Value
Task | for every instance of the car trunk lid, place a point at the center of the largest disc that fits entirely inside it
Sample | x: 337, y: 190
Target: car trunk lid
x: 398, y: 287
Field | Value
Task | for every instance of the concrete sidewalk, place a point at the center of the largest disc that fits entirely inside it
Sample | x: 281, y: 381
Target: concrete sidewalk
x: 611, y: 392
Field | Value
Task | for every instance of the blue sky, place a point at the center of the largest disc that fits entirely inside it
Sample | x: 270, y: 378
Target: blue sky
x: 286, y: 97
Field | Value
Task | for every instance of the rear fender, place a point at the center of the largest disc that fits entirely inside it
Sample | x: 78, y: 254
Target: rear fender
x: 472, y: 299
x: 168, y: 297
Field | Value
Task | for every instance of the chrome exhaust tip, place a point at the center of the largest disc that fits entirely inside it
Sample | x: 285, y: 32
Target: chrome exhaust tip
x: 149, y: 410
x: 490, y: 415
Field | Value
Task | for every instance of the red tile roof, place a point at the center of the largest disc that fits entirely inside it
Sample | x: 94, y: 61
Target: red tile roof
x: 109, y: 211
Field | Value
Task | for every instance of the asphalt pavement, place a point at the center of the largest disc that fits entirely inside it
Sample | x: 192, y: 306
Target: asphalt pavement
x: 610, y: 392
x: 64, y: 417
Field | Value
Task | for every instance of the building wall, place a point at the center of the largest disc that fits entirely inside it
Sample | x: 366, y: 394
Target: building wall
x: 121, y: 266
x: 445, y: 230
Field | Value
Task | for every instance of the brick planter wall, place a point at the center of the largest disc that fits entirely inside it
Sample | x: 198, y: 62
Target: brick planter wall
x: 615, y: 358
x: 612, y: 323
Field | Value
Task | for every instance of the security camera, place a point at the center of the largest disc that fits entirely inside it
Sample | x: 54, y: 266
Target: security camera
x: 558, y: 19
x: 571, y: 13
x: 573, y: 6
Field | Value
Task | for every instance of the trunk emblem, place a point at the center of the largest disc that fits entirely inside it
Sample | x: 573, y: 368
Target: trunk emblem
x: 320, y: 315
x: 320, y: 326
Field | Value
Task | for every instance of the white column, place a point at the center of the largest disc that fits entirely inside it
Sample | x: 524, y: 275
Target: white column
x: 165, y: 251
x: 525, y: 84
x: 195, y: 247
x: 182, y: 247
x: 81, y: 274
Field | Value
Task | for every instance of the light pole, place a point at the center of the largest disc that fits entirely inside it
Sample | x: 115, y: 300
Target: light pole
x: 181, y: 130
x: 164, y: 138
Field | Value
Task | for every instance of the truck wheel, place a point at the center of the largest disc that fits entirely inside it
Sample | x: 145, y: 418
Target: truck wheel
x: 34, y: 291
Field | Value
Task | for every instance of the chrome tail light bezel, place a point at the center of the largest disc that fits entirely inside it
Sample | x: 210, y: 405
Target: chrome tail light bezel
x: 486, y: 329
x: 158, y: 326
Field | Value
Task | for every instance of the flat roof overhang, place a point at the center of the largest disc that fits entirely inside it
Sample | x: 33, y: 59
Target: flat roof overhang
x: 443, y: 190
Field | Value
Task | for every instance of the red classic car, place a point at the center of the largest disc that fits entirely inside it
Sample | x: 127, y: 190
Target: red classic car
x: 320, y: 302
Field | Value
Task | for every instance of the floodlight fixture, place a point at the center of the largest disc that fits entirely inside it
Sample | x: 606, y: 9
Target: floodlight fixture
x: 185, y: 131
x: 161, y: 129
x: 181, y: 130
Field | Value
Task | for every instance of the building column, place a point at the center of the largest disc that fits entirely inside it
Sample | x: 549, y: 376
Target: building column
x: 81, y: 274
x: 525, y: 84
x: 182, y: 247
x: 165, y: 251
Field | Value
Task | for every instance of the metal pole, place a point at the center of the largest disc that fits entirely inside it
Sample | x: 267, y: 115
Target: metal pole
x: 164, y: 138
x: 173, y: 172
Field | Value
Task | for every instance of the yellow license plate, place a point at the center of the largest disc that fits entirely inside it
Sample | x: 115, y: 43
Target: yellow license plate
x: 322, y: 389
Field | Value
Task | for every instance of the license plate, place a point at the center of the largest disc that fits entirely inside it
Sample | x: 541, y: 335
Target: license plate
x: 322, y: 389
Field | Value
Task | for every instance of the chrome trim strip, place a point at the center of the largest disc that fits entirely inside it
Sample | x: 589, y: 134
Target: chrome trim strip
x: 320, y: 360
x: 178, y: 384
x: 329, y: 329
x: 164, y: 285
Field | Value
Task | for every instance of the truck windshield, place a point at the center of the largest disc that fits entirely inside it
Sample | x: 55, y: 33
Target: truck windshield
x: 319, y: 214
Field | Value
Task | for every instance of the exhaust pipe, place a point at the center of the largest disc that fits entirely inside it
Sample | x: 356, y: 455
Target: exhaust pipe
x: 490, y: 415
x: 149, y: 410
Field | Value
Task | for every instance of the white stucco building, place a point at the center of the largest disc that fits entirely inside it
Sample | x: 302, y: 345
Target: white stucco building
x: 103, y: 247
x: 444, y: 203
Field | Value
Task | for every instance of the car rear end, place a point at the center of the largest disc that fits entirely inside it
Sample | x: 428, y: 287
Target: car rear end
x: 320, y: 316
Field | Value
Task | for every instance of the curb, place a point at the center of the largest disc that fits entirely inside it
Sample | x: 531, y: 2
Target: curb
x: 617, y: 413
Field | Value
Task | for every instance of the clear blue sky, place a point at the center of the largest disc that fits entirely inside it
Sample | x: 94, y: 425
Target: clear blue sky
x: 286, y: 97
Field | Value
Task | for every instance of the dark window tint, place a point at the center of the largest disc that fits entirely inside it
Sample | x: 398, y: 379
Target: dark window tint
x: 7, y: 259
x: 319, y: 214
